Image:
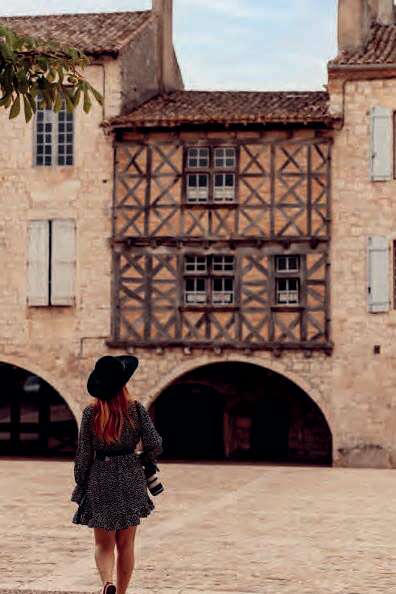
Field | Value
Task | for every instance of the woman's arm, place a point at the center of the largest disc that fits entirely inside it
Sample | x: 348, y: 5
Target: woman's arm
x: 151, y: 439
x: 85, y: 450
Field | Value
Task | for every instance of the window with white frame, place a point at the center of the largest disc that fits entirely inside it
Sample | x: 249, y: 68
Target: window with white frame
x: 197, y: 158
x: 224, y: 158
x: 54, y: 137
x: 209, y: 280
x: 197, y: 188
x: 224, y: 187
x: 51, y: 262
x: 287, y: 280
x: 211, y: 175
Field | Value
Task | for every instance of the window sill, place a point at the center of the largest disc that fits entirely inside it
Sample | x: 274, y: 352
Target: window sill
x: 209, y: 205
x: 288, y: 308
x: 208, y: 308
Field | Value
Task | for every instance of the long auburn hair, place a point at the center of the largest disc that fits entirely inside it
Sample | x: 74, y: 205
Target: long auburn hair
x: 110, y: 416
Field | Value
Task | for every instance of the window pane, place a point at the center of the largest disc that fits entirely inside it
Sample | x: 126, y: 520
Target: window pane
x: 229, y: 180
x: 223, y: 263
x: 224, y: 187
x: 195, y: 291
x: 197, y: 188
x: 43, y: 135
x: 198, y: 157
x: 65, y: 142
x: 287, y: 291
x: 225, y: 158
x: 223, y: 291
x: 195, y: 264
x: 287, y: 263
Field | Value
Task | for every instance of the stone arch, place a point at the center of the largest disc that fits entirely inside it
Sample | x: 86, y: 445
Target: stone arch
x: 277, y: 367
x: 36, y: 419
x: 55, y: 381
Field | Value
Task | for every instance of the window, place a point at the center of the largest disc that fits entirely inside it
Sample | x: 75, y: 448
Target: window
x: 215, y: 182
x: 209, y: 280
x: 198, y: 157
x: 51, y: 262
x: 287, y: 291
x: 224, y: 187
x: 197, y: 187
x: 54, y: 136
x: 224, y: 158
x: 287, y: 280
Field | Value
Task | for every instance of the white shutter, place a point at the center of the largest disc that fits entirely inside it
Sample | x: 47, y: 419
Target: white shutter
x: 378, y: 274
x: 381, y: 143
x: 63, y: 262
x: 38, y: 263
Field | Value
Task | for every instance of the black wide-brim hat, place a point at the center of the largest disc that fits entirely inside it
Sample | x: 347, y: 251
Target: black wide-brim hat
x: 110, y: 374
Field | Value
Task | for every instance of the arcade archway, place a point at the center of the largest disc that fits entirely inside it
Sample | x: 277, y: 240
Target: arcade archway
x: 240, y: 411
x: 35, y: 421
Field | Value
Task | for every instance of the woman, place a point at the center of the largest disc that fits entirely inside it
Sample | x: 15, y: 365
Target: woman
x: 111, y: 489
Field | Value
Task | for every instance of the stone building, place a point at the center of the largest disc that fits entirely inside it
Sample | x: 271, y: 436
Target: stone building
x: 240, y: 244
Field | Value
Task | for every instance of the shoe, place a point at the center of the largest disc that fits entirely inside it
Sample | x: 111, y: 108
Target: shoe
x: 109, y: 588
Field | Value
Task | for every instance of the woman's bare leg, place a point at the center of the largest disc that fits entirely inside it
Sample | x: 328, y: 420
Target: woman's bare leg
x: 125, y: 542
x: 104, y: 553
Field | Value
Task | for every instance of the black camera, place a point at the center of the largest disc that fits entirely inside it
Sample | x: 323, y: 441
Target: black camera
x: 154, y: 485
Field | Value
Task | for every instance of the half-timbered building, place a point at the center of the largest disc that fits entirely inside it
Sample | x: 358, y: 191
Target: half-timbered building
x: 222, y: 232
x: 221, y: 227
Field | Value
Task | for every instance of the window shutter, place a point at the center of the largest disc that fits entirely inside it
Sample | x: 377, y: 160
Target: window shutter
x: 378, y: 274
x: 38, y: 263
x: 381, y: 145
x: 63, y: 262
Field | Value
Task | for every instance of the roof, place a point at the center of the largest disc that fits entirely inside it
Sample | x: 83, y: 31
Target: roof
x: 380, y: 48
x: 93, y: 33
x: 228, y: 107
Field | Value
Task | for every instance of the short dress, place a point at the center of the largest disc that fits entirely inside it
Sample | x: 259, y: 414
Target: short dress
x: 112, y: 494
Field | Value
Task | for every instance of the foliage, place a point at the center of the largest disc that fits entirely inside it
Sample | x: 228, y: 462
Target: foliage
x: 35, y: 71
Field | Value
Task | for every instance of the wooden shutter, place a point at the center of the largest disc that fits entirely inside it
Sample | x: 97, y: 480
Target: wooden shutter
x: 38, y: 263
x: 381, y: 145
x: 378, y: 274
x: 63, y: 262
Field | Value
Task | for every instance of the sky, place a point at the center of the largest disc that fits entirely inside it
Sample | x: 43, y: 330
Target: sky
x: 233, y: 44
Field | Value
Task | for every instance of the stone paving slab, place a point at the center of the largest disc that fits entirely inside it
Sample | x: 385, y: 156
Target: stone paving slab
x: 144, y: 591
x: 217, y: 529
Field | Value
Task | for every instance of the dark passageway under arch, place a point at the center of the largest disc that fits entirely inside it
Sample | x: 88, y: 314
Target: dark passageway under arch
x: 240, y: 411
x: 35, y: 421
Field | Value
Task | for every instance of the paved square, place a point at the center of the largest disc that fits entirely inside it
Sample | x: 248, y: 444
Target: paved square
x: 217, y: 528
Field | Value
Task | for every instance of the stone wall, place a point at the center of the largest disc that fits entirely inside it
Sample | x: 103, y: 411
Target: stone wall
x: 362, y: 383
x: 47, y: 341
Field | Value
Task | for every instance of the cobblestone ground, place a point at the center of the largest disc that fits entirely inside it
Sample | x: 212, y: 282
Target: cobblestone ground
x: 217, y: 528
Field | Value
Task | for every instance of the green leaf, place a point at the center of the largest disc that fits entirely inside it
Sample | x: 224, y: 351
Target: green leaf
x: 58, y: 102
x: 28, y: 109
x: 87, y: 101
x: 69, y: 102
x: 16, y: 107
x: 98, y: 96
x: 76, y: 97
x: 6, y: 100
x: 30, y: 98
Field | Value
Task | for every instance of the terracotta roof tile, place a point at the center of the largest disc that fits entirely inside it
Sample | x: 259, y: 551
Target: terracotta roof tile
x: 228, y: 107
x: 379, y: 49
x: 94, y: 33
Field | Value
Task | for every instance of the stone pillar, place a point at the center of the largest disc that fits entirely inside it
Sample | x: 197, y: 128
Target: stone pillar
x: 353, y: 24
x: 385, y: 13
x: 164, y: 10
